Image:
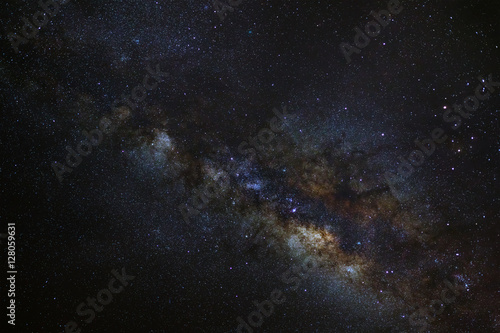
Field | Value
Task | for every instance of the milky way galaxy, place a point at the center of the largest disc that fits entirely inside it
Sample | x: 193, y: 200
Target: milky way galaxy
x: 244, y: 174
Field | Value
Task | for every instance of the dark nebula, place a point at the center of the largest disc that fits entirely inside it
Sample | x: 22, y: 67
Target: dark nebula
x: 270, y: 167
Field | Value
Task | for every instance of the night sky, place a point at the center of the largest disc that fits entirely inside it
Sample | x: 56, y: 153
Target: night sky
x: 251, y: 166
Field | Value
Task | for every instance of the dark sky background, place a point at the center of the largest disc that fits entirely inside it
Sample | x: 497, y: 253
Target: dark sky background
x: 317, y: 190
